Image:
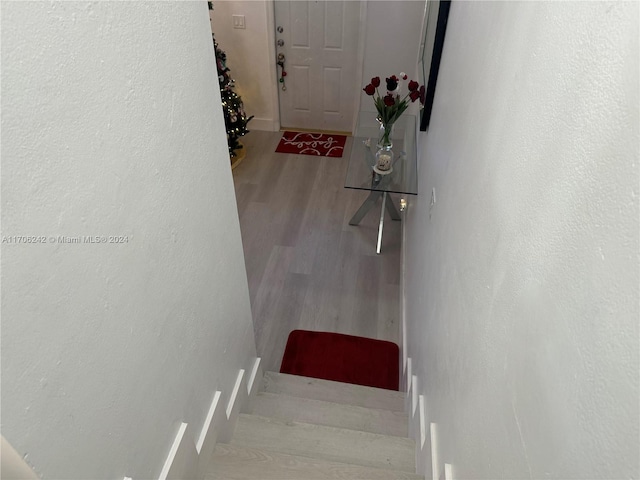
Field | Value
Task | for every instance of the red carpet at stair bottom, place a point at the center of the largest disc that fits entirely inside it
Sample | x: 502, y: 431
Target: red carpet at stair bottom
x: 342, y: 358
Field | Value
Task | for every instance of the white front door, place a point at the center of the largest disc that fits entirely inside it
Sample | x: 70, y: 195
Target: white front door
x: 319, y: 41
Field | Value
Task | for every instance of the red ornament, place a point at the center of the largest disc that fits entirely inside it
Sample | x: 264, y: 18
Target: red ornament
x: 284, y: 74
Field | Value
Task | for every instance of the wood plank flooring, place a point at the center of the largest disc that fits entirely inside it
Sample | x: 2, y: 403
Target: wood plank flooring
x: 327, y: 443
x: 233, y: 462
x: 330, y: 391
x: 307, y: 268
x: 330, y: 414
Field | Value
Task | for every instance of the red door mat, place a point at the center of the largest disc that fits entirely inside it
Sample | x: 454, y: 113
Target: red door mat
x: 342, y: 358
x: 318, y: 144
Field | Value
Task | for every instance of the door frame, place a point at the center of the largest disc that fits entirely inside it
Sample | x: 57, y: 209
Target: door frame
x: 12, y: 464
x: 273, y: 71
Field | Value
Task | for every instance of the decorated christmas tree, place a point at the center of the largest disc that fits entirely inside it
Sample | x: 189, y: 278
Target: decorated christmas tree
x: 235, y: 118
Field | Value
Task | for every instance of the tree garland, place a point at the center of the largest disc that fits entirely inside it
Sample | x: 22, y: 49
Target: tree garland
x: 235, y: 118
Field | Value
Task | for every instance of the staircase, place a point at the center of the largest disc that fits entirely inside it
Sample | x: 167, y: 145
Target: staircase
x: 309, y: 429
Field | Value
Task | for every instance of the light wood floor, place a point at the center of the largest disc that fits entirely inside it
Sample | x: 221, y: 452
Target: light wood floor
x: 307, y: 267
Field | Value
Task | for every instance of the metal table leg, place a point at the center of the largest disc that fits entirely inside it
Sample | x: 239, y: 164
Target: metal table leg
x: 365, y: 207
x: 368, y: 205
x: 381, y: 225
x: 387, y: 204
x: 391, y: 208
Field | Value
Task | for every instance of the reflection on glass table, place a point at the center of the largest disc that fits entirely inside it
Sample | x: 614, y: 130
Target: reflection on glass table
x: 362, y: 176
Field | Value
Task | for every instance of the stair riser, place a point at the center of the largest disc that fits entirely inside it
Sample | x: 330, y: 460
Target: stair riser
x: 285, y: 407
x: 336, y: 392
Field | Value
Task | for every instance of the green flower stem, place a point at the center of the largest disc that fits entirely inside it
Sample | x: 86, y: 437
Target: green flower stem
x: 389, y: 114
x: 386, y: 136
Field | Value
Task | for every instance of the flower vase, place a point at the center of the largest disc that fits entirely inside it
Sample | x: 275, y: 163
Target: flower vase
x: 385, y: 134
x: 384, y: 155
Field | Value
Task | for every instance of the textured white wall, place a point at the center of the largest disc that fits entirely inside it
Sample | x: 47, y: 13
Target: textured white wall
x: 112, y: 125
x: 250, y: 57
x: 392, y: 42
x: 522, y: 280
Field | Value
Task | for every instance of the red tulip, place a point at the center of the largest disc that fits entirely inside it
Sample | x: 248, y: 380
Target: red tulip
x: 392, y: 83
x: 422, y: 94
x: 369, y: 89
x: 389, y: 100
x: 413, y: 86
x: 375, y: 81
x: 414, y: 95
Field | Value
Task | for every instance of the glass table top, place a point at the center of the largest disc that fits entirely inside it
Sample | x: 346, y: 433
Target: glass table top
x: 403, y: 178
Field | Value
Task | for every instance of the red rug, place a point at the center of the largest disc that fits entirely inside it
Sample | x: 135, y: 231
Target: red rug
x: 318, y: 144
x: 342, y: 358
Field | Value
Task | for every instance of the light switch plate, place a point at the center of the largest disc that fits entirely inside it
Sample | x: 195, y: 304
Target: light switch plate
x: 238, y: 21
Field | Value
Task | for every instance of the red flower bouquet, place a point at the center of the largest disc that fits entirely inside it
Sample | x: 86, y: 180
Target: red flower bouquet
x: 392, y: 105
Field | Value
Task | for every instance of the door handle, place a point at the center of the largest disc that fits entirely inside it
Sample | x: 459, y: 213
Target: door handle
x: 283, y: 73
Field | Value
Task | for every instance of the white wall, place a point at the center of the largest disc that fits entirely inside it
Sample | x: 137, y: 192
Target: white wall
x: 250, y: 57
x: 112, y: 125
x: 522, y: 280
x: 392, y: 42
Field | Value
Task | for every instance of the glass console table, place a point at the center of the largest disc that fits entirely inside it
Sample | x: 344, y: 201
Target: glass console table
x: 360, y: 175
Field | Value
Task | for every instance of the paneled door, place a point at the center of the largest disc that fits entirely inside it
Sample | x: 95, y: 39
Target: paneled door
x: 319, y: 41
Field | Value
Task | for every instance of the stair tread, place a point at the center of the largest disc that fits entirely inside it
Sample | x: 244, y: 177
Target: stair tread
x: 324, y: 442
x: 321, y: 412
x: 232, y: 462
x: 331, y: 391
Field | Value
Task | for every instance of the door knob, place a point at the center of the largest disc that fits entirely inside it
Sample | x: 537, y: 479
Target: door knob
x: 280, y: 43
x: 283, y: 73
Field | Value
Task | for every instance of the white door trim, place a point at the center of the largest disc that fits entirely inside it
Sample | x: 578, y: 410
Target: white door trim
x: 273, y: 71
x: 12, y: 465
x: 360, y: 61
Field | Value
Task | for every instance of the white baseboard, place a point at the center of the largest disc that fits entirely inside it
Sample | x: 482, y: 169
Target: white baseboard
x: 422, y: 412
x: 263, y: 124
x: 206, y: 433
x: 418, y: 423
x: 234, y: 399
x: 407, y: 381
x: 253, y: 374
x: 189, y: 455
x: 414, y: 419
x: 404, y: 353
x: 435, y: 460
x: 448, y: 471
x: 427, y: 453
x: 254, y: 382
x: 414, y: 394
x: 182, y: 461
x: 237, y: 400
